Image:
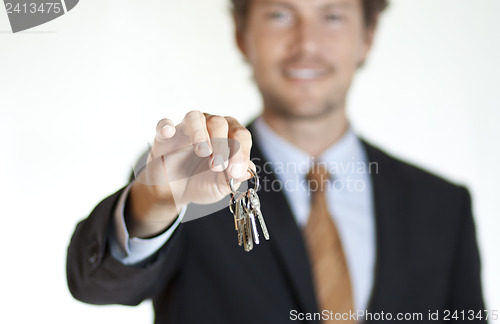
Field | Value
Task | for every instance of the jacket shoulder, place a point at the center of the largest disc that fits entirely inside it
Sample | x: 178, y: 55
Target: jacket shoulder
x: 408, y: 174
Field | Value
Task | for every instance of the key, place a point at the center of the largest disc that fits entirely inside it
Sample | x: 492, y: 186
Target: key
x: 236, y: 207
x: 235, y: 210
x: 251, y: 213
x: 248, y: 242
x: 255, y: 234
x: 254, y: 201
x: 238, y: 210
x: 244, y: 233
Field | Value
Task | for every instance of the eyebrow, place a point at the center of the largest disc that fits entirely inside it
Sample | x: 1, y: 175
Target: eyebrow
x: 278, y: 3
x: 344, y: 5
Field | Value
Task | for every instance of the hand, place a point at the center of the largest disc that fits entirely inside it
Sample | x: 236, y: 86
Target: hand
x: 188, y: 163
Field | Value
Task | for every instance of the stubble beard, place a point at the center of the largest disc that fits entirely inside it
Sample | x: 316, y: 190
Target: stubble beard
x: 283, y: 110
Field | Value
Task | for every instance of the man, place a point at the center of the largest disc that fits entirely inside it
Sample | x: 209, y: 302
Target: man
x: 399, y: 245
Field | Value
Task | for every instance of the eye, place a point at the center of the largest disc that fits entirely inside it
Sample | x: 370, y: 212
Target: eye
x: 333, y: 17
x: 278, y: 15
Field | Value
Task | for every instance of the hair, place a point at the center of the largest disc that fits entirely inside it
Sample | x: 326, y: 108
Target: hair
x: 371, y: 10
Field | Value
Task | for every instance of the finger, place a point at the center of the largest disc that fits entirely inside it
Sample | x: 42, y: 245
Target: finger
x: 217, y: 128
x: 253, y: 167
x: 165, y: 129
x: 195, y: 124
x: 247, y: 176
x: 239, y: 163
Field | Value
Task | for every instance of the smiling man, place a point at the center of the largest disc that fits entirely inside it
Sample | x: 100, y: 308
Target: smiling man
x: 371, y: 239
x: 304, y: 54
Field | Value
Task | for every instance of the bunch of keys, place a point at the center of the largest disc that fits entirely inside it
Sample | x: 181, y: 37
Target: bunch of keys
x: 245, y: 207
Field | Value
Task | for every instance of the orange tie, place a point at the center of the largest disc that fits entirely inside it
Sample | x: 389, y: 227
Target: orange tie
x: 329, y: 267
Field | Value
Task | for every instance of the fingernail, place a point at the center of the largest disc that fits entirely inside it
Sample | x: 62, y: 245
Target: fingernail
x: 218, y: 160
x: 167, y: 131
x: 203, y: 148
x: 237, y: 170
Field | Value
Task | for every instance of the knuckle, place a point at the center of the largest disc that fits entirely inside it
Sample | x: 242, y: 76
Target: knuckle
x: 231, y: 119
x: 194, y: 114
x: 241, y: 132
x: 217, y: 120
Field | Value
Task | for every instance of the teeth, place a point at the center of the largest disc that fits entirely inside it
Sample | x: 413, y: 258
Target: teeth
x: 304, y: 74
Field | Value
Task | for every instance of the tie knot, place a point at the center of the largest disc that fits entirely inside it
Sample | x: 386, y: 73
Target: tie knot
x: 317, y: 176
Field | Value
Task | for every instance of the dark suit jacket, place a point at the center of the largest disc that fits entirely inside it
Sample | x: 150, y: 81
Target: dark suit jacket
x: 426, y: 257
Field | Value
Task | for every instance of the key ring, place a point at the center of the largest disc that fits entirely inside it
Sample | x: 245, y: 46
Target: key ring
x: 237, y: 195
x: 256, y: 188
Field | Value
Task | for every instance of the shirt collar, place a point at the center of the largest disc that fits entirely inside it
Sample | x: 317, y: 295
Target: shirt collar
x: 343, y: 159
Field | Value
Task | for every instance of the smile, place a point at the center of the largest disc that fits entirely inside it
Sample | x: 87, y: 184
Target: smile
x: 305, y: 74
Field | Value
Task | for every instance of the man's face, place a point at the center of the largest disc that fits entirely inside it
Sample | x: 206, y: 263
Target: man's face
x: 304, y: 53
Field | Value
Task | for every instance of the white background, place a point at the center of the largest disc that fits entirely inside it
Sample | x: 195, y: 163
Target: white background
x: 80, y: 97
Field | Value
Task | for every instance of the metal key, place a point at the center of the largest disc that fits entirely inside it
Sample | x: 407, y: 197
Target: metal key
x: 244, y: 233
x: 248, y: 233
x: 236, y: 207
x: 254, y: 201
x: 238, y: 217
x: 251, y: 215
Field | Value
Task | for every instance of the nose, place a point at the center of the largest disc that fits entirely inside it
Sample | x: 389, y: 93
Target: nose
x: 306, y: 40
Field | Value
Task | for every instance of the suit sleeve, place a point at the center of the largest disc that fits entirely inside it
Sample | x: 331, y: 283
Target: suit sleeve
x: 95, y: 276
x: 133, y: 250
x: 466, y: 291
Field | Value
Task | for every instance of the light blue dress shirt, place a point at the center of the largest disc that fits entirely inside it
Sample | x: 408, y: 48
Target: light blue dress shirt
x: 349, y: 197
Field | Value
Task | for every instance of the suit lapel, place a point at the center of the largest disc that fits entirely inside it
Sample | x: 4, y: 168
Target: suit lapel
x: 286, y: 239
x: 388, y: 191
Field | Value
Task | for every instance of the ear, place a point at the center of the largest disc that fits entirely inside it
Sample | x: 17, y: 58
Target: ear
x: 368, y: 37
